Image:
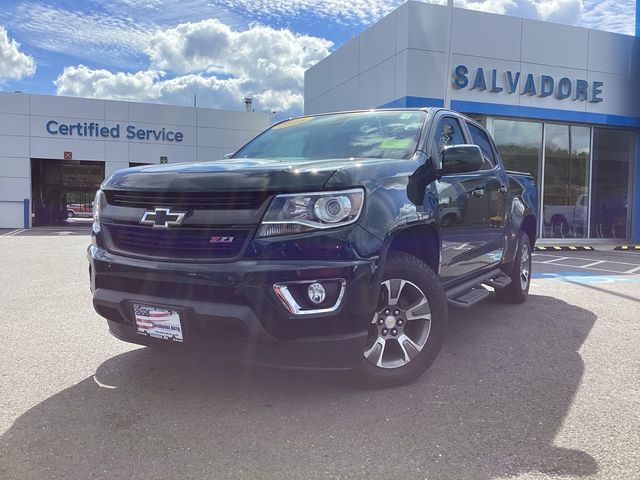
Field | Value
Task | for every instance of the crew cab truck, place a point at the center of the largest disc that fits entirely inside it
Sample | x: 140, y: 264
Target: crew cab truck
x: 317, y: 245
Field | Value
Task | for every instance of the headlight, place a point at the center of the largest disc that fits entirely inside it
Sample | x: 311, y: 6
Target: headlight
x: 301, y: 212
x: 97, y: 206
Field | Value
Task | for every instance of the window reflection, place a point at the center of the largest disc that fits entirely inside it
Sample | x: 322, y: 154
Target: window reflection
x: 451, y: 200
x: 374, y: 134
x: 567, y: 190
x: 612, y: 150
x: 566, y: 180
x: 519, y: 144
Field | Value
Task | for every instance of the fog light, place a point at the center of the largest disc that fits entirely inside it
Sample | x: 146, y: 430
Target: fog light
x: 311, y: 297
x: 316, y: 293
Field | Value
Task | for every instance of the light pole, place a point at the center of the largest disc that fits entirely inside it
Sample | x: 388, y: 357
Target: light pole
x: 447, y: 72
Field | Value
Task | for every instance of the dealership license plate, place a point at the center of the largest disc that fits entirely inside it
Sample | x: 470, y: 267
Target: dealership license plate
x: 158, y: 322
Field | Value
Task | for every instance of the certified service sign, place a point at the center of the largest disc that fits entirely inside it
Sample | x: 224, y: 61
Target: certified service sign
x: 98, y: 130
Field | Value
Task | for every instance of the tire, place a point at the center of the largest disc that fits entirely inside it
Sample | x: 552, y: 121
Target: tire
x: 559, y: 225
x: 410, y: 293
x: 520, y: 273
x: 448, y: 220
x: 71, y: 214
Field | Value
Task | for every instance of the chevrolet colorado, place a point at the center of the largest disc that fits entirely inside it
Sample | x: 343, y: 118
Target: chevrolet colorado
x: 320, y: 244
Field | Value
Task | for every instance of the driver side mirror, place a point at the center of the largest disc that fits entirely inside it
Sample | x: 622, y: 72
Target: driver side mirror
x: 461, y: 159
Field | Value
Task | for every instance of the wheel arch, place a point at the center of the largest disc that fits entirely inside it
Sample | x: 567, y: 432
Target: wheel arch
x: 421, y: 241
x: 529, y: 227
x: 560, y: 217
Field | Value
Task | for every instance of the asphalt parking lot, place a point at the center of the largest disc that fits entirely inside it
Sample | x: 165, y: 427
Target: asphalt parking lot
x: 548, y: 389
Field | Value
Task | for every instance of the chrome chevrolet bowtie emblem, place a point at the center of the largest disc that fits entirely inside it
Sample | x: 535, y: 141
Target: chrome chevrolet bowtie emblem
x: 162, y: 218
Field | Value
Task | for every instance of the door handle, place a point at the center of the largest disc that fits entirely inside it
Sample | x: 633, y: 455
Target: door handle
x: 503, y: 189
x: 478, y: 192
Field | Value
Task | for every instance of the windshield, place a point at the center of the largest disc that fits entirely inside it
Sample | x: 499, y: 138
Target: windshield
x: 382, y: 134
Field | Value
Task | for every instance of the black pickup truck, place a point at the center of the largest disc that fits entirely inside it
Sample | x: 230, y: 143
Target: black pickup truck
x: 334, y: 241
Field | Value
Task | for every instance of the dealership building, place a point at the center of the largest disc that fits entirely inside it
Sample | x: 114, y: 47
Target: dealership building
x: 560, y: 101
x: 55, y: 151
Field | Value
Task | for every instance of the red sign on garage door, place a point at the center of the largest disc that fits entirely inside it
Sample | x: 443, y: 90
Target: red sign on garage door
x: 68, y: 155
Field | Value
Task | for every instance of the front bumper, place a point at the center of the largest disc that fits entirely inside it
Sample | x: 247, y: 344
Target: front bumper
x: 230, y: 309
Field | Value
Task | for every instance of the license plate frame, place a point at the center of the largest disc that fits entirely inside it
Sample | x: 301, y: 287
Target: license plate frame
x: 160, y: 322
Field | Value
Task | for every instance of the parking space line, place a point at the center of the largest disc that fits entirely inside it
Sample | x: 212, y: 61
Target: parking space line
x: 617, y: 272
x: 593, y: 263
x: 556, y: 259
x: 633, y: 270
x: 13, y: 232
x: 590, y: 260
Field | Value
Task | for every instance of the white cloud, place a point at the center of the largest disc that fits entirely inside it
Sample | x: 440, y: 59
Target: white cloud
x: 83, y: 81
x: 211, y: 60
x: 14, y: 64
x: 611, y: 15
x: 559, y: 11
x: 114, y: 33
x: 91, y: 36
x: 365, y: 12
x: 263, y: 54
x: 149, y: 86
x: 362, y: 12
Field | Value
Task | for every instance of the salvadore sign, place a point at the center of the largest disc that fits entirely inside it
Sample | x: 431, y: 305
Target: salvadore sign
x: 510, y: 82
x: 97, y: 130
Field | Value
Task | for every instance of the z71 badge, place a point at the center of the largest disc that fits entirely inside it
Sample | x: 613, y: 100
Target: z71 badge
x: 216, y: 239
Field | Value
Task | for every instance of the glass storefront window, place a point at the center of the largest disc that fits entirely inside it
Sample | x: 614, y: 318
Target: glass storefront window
x: 566, y: 181
x: 584, y: 181
x: 612, y: 153
x: 519, y: 144
x: 481, y: 119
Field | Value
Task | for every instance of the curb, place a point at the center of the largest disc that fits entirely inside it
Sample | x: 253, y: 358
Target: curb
x: 564, y: 248
x: 627, y: 247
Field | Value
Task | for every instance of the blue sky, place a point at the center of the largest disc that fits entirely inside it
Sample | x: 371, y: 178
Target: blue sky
x: 220, y: 50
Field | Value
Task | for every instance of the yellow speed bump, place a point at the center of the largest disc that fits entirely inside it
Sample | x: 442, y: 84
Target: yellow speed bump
x: 627, y: 247
x: 564, y: 248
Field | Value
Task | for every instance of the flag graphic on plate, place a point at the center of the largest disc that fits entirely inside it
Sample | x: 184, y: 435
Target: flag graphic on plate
x: 158, y: 322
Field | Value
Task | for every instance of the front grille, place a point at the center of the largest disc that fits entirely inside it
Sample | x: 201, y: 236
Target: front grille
x: 176, y: 243
x: 187, y: 200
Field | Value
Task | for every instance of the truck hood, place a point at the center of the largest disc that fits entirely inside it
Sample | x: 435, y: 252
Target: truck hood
x: 233, y: 175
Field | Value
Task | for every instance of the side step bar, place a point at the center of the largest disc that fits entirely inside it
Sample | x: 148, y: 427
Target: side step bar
x: 472, y: 291
x: 498, y: 282
x: 470, y: 298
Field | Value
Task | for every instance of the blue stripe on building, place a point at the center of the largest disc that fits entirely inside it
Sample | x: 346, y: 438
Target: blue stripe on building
x: 548, y: 114
x: 414, y: 102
